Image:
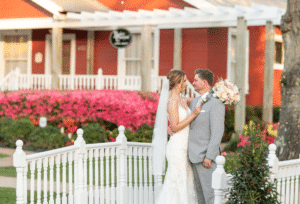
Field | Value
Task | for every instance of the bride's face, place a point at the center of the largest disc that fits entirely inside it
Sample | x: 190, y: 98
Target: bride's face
x: 183, y: 84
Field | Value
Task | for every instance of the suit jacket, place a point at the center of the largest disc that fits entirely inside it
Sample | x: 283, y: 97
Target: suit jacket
x: 206, y: 130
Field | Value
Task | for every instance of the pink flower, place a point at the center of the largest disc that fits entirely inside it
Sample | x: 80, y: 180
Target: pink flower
x: 224, y: 154
x: 270, y: 140
x: 243, y: 141
x: 112, y: 139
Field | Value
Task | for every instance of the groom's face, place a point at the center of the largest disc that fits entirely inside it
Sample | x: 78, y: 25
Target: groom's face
x: 198, y: 83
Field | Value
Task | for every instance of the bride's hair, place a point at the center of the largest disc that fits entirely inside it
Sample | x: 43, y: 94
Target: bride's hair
x: 175, y: 77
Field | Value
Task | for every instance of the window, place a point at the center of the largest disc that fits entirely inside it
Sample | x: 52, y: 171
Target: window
x: 129, y: 59
x: 133, y: 55
x: 278, y: 53
x: 16, y: 51
x: 231, y: 63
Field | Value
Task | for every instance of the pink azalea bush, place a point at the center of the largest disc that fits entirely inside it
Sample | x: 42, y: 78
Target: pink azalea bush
x: 70, y: 108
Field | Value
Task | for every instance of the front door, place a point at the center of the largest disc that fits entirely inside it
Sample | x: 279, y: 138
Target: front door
x: 66, y: 57
x: 68, y: 54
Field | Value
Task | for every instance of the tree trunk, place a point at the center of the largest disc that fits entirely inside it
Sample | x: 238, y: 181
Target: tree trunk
x: 289, y: 121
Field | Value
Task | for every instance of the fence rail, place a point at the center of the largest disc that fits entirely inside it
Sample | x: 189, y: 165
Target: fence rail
x: 15, y: 81
x: 115, y: 172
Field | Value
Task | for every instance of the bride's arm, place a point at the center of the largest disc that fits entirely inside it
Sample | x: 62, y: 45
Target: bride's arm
x: 174, y: 116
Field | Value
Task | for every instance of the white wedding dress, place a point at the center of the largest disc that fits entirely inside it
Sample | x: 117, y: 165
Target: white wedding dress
x: 178, y: 187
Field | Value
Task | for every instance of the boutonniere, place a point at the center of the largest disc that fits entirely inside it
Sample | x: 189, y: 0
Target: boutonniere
x: 206, y: 99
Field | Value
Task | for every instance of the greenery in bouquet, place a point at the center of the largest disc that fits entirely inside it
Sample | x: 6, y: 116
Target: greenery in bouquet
x: 251, y: 182
x: 47, y: 138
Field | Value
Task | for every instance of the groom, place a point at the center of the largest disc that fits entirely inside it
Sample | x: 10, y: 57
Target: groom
x: 206, y: 132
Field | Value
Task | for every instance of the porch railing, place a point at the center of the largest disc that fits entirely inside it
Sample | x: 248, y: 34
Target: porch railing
x: 114, y: 172
x: 15, y: 81
x: 287, y: 174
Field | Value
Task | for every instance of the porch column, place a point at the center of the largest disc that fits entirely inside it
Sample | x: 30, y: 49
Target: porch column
x: 269, y: 72
x: 240, y: 108
x: 90, y: 52
x: 177, y: 48
x: 146, y: 54
x: 57, y: 40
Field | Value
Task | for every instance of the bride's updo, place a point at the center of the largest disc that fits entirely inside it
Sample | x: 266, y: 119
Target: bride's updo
x: 175, y: 77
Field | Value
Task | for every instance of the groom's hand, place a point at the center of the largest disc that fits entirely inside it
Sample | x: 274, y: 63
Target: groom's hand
x: 207, y: 163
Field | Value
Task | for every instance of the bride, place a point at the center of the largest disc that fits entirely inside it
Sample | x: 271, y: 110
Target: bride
x: 178, y: 187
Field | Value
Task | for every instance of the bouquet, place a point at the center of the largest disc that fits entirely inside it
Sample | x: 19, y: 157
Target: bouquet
x: 226, y: 91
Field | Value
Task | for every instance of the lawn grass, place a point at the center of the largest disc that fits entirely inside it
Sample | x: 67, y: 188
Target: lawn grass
x: 8, y: 196
x: 3, y: 155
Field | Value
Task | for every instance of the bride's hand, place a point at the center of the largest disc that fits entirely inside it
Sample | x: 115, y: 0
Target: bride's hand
x: 197, y: 111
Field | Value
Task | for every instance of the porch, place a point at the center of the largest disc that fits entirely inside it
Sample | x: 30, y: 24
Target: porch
x: 15, y: 81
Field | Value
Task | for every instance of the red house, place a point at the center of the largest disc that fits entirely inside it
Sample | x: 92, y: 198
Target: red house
x: 63, y: 43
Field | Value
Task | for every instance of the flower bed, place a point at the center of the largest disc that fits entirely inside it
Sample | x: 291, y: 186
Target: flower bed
x: 72, y: 109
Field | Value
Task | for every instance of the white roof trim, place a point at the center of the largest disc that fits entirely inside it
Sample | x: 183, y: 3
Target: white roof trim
x: 219, y: 16
x: 49, y: 6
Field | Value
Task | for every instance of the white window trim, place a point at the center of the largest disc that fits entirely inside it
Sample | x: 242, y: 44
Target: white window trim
x: 71, y: 37
x: 232, y: 31
x: 121, y: 52
x: 278, y: 38
x: 29, y: 54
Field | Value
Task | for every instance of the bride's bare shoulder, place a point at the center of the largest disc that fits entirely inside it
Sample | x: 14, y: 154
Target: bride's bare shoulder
x: 172, y: 103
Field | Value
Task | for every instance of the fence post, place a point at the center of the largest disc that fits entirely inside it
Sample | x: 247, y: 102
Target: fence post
x: 154, y: 81
x: 219, y: 180
x: 17, y: 76
x: 99, y: 79
x: 19, y: 161
x: 273, y: 161
x: 81, y: 195
x: 123, y: 196
x: 72, y: 82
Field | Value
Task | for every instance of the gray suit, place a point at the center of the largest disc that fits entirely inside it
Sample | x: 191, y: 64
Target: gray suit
x: 206, y: 132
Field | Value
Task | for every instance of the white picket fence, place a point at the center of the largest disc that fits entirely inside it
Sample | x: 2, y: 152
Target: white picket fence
x: 120, y: 172
x: 15, y: 81
x: 287, y: 174
x: 114, y: 172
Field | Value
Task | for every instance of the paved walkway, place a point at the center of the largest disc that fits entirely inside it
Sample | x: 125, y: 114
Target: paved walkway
x: 8, y: 182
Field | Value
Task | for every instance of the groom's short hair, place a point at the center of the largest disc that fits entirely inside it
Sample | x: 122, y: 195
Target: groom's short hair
x: 205, y: 74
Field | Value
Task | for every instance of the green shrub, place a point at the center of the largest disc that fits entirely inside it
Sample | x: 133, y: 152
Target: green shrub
x: 143, y: 134
x: 4, y: 124
x: 47, y: 138
x: 231, y: 146
x: 232, y: 161
x: 93, y: 133
x: 253, y: 113
x: 18, y: 129
x: 251, y: 183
